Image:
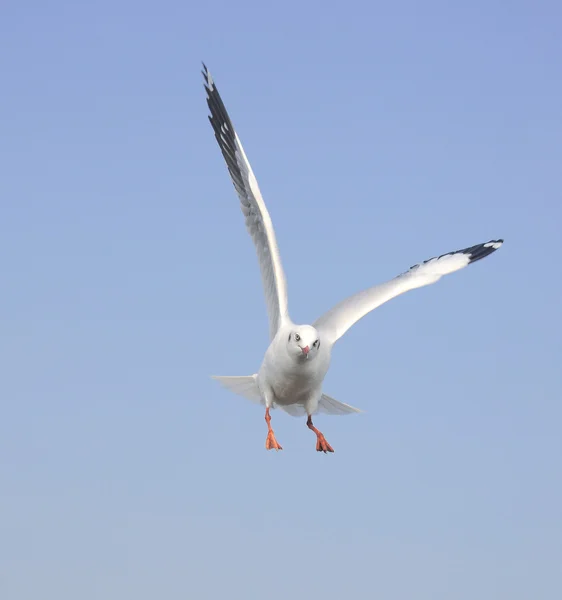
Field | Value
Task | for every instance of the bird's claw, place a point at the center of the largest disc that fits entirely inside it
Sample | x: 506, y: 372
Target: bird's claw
x: 271, y: 443
x: 322, y: 445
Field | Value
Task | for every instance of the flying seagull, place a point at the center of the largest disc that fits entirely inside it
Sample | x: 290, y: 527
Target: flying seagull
x: 297, y: 359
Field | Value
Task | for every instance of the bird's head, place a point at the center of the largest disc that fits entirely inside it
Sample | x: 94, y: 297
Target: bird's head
x: 303, y: 342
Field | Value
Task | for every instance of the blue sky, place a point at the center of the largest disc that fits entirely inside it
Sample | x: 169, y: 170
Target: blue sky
x: 381, y: 135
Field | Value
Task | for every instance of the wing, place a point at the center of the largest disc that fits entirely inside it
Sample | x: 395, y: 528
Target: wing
x: 258, y: 221
x: 337, y: 321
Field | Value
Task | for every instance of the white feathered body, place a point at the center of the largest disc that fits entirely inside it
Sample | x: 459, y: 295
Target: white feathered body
x: 284, y: 381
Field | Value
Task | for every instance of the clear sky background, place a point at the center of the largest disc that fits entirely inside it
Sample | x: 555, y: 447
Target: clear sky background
x: 381, y: 134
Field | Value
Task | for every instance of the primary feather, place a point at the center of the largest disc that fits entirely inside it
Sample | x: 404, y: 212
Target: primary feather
x: 258, y: 221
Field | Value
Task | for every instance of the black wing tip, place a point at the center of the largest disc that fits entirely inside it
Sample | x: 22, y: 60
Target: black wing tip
x: 473, y: 253
x: 482, y: 250
x: 209, y: 83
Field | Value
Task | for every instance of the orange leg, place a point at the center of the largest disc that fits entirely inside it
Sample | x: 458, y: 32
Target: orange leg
x: 270, y: 442
x: 321, y: 443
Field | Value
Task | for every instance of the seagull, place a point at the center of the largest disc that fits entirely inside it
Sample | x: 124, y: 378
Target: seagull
x: 298, y: 357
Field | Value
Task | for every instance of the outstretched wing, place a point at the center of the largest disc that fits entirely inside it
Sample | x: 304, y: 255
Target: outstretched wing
x: 333, y: 324
x: 258, y: 221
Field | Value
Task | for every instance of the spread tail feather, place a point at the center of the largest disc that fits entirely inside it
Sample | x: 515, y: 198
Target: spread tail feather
x: 247, y: 386
x: 326, y: 405
x: 243, y: 385
x: 331, y: 406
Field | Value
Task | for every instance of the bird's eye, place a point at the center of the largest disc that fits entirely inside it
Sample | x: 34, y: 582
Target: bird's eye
x: 297, y: 337
x: 315, y: 343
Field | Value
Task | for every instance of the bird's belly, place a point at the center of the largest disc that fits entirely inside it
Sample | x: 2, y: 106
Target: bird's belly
x: 293, y: 389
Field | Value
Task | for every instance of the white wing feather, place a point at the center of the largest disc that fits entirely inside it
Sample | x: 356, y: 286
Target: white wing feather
x: 258, y: 221
x: 333, y: 324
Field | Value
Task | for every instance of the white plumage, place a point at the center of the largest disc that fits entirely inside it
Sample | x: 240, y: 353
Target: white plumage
x: 298, y: 357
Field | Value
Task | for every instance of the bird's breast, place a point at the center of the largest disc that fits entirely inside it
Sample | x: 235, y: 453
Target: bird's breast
x: 294, y: 383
